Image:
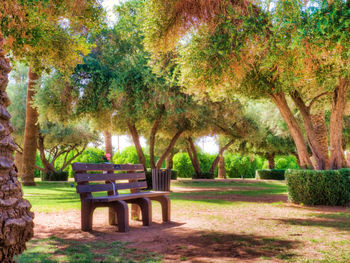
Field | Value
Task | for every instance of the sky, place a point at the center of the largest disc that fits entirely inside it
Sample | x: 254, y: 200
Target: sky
x: 207, y: 144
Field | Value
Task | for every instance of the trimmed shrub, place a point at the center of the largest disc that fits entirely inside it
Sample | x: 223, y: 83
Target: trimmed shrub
x: 345, y: 171
x: 173, y: 175
x: 55, y: 176
x: 318, y: 187
x: 270, y: 174
x: 203, y: 175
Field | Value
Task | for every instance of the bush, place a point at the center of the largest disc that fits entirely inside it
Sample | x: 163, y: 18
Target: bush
x: 203, y: 175
x: 318, y: 187
x: 183, y: 165
x: 270, y: 174
x: 238, y: 166
x: 55, y: 176
x: 173, y: 175
x: 286, y: 162
x: 129, y: 155
x: 345, y: 171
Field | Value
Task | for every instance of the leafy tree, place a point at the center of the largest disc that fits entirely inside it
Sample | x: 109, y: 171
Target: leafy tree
x: 19, y: 19
x: 260, y: 51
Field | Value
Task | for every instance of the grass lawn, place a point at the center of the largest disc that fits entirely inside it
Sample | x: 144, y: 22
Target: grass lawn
x: 213, y: 221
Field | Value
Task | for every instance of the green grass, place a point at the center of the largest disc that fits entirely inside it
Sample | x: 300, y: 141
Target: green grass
x: 53, y: 249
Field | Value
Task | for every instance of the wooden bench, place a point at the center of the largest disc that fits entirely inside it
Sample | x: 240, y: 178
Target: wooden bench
x: 105, y: 179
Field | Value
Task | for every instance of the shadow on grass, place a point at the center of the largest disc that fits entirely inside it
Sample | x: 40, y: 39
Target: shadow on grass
x: 159, y: 242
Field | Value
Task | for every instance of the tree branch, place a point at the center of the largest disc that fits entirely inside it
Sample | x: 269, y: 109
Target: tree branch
x: 317, y: 97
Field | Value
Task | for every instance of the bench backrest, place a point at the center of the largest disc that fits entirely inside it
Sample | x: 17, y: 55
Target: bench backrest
x: 105, y: 172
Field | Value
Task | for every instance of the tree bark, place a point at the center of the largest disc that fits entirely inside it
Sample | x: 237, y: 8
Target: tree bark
x: 152, y: 141
x: 192, y: 152
x: 271, y: 160
x: 222, y: 169
x: 136, y: 138
x: 280, y: 100
x: 320, y: 130
x: 216, y: 160
x: 169, y: 149
x: 30, y: 132
x: 16, y: 220
x: 18, y: 162
x: 108, y: 143
x: 48, y: 167
x: 317, y: 150
x: 169, y: 161
x: 337, y: 159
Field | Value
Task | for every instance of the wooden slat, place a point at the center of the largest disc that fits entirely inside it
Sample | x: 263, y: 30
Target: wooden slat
x: 82, y: 177
x: 109, y: 187
x: 106, y: 167
x: 127, y: 196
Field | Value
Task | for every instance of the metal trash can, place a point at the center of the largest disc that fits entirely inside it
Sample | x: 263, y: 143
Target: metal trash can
x: 161, y: 179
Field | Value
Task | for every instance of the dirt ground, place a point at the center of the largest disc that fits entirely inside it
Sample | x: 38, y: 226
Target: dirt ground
x: 247, y: 232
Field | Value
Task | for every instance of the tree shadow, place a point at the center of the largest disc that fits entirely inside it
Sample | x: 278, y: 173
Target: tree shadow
x: 174, y: 242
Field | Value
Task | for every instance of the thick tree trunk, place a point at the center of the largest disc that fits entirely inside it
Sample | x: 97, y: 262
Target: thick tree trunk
x: 152, y: 141
x: 108, y: 144
x: 337, y: 159
x: 169, y: 149
x: 30, y: 132
x: 271, y: 160
x: 216, y: 160
x: 192, y: 152
x: 136, y: 138
x: 321, y: 159
x: 16, y: 220
x: 48, y: 167
x: 169, y: 161
x: 281, y: 103
x: 222, y: 169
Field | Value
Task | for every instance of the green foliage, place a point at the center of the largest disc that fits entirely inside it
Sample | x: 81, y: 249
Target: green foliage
x: 205, y: 161
x: 55, y: 176
x: 129, y: 155
x: 318, y: 187
x: 286, y: 162
x: 38, y: 162
x: 270, y: 174
x: 203, y: 175
x: 238, y: 166
x: 183, y: 165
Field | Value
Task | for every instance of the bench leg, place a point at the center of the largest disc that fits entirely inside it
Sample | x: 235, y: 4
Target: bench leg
x: 87, y: 210
x: 165, y: 203
x: 121, y: 210
x: 146, y: 209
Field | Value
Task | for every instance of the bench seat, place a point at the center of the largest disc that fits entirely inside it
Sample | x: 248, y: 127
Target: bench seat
x: 125, y: 197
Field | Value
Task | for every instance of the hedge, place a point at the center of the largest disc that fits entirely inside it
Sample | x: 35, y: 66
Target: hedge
x: 55, y: 176
x: 318, y: 187
x: 270, y: 174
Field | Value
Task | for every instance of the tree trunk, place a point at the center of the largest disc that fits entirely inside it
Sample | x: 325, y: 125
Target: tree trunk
x: 337, y: 159
x: 136, y: 138
x: 271, y: 160
x: 30, y: 132
x: 216, y: 160
x: 48, y: 167
x: 169, y: 161
x: 18, y: 162
x: 321, y: 159
x: 222, y: 169
x: 169, y: 149
x: 108, y: 144
x: 16, y: 220
x: 152, y: 140
x: 192, y: 152
x: 280, y: 100
x: 321, y: 133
